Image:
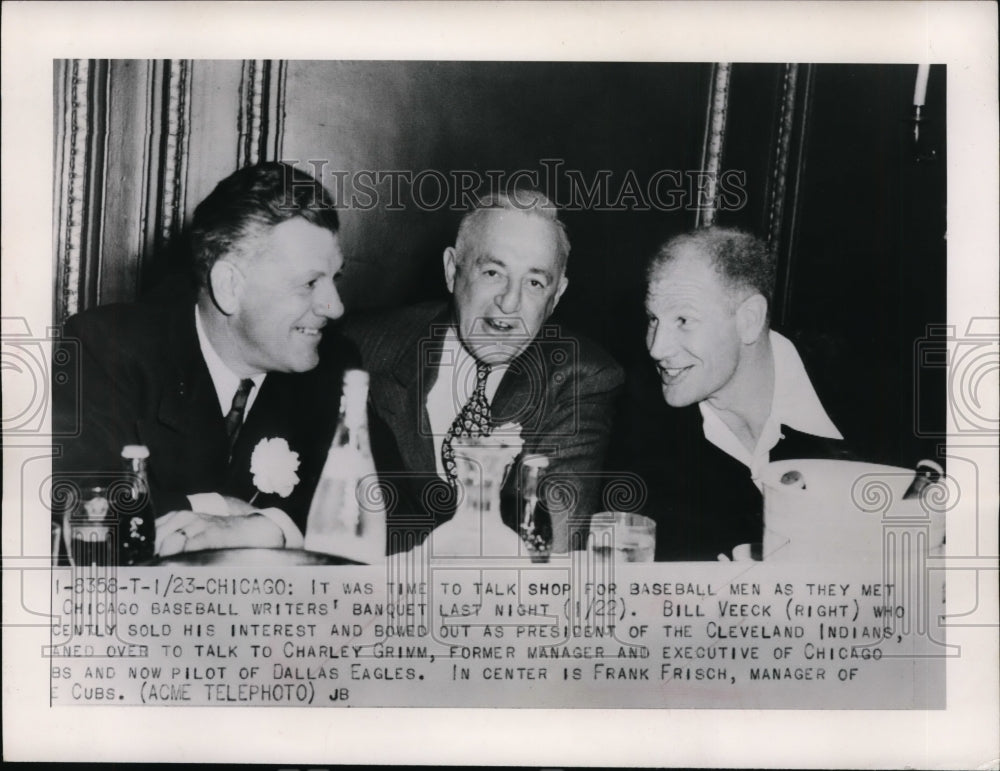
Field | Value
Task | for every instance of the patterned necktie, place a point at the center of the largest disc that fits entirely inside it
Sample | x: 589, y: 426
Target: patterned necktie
x: 234, y: 420
x: 472, y: 420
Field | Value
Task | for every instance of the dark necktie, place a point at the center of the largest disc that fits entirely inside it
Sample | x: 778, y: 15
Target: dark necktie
x: 234, y: 420
x: 472, y: 420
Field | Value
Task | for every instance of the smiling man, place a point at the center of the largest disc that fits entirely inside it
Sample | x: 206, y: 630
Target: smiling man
x: 730, y: 394
x: 486, y: 359
x: 202, y: 381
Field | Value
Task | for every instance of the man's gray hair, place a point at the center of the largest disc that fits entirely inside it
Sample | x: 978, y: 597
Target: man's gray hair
x: 741, y: 259
x: 523, y: 200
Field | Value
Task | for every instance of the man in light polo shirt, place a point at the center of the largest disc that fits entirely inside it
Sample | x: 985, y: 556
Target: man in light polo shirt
x: 734, y: 395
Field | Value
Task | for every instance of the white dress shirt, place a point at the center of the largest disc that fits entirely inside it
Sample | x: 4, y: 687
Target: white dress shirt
x: 456, y: 380
x: 794, y: 404
x: 226, y: 381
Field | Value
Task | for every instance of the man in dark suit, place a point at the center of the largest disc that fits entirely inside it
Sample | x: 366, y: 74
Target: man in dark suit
x: 202, y: 381
x: 727, y: 395
x: 490, y: 352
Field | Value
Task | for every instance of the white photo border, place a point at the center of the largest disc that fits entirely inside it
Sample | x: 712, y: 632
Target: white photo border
x: 961, y: 35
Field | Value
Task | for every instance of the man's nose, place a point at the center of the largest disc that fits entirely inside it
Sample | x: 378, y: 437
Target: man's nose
x: 509, y: 301
x: 328, y: 303
x: 661, y: 341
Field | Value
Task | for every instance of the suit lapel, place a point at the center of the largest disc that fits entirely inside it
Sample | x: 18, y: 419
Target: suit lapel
x: 522, y: 392
x: 400, y: 395
x: 268, y: 419
x: 425, y: 361
x: 189, y: 404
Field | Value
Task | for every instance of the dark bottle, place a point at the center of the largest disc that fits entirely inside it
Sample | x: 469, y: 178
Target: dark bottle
x: 535, y: 527
x: 928, y: 473
x: 136, y: 517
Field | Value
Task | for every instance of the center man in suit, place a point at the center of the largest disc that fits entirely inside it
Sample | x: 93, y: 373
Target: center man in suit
x: 202, y: 379
x: 491, y: 346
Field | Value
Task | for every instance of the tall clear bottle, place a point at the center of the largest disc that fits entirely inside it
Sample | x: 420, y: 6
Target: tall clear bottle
x: 135, y: 513
x: 347, y: 513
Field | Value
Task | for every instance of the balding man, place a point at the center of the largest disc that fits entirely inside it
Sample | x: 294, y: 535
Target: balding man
x: 730, y: 395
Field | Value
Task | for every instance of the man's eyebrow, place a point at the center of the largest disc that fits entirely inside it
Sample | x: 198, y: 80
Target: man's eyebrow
x: 483, y: 259
x: 305, y: 276
x: 541, y: 272
x: 487, y: 259
x: 671, y: 304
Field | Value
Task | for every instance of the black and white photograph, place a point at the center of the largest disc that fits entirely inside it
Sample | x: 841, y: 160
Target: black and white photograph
x: 469, y: 360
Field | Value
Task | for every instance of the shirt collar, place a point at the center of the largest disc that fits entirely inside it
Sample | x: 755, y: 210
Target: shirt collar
x: 793, y: 404
x: 226, y: 381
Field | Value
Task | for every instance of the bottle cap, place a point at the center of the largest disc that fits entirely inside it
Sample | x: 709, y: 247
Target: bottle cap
x: 536, y: 461
x: 355, y: 377
x: 133, y: 451
x: 931, y: 469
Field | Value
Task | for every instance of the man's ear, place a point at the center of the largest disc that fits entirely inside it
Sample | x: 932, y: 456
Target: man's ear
x: 226, y: 283
x: 751, y: 318
x: 450, y: 266
x: 563, y: 283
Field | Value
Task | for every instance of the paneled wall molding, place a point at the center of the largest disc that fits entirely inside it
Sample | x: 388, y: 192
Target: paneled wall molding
x: 786, y: 176
x: 81, y: 103
x: 116, y: 208
x: 715, y: 136
x: 262, y: 111
x: 783, y: 141
x: 167, y: 134
x: 175, y: 151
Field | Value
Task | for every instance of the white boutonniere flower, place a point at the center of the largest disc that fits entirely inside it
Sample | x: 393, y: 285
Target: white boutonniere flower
x: 273, y: 465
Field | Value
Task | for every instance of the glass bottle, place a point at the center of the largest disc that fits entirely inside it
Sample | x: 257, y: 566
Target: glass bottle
x: 535, y: 524
x: 347, y: 513
x: 928, y: 473
x: 477, y: 529
x: 136, y: 516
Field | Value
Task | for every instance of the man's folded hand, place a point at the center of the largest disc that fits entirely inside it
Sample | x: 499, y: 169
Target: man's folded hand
x: 182, y: 531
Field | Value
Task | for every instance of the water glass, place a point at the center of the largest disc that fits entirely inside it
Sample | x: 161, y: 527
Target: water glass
x: 622, y: 536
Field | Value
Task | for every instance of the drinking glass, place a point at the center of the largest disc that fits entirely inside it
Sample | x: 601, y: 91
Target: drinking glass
x: 88, y: 526
x: 622, y: 536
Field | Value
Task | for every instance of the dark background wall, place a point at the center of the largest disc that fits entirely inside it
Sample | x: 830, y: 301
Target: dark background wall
x: 482, y: 116
x: 825, y: 152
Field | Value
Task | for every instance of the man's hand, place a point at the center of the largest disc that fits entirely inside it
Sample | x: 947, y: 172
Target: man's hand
x: 181, y: 531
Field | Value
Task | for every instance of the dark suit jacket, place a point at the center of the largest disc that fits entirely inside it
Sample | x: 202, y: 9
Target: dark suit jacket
x: 561, y: 390
x: 141, y: 379
x: 703, y: 499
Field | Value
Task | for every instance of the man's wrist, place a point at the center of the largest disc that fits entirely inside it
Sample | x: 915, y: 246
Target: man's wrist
x: 292, y: 535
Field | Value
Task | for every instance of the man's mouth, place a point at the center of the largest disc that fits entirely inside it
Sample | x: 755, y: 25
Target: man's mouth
x: 309, y: 331
x: 673, y: 375
x: 503, y: 325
